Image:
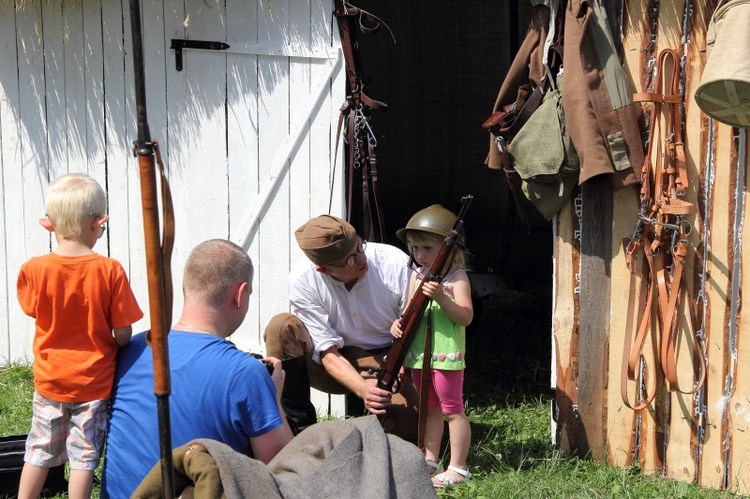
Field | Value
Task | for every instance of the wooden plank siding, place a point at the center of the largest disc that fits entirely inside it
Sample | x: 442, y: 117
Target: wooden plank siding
x: 699, y: 437
x: 246, y: 135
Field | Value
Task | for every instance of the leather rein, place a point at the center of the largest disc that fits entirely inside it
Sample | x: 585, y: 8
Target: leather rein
x: 661, y: 233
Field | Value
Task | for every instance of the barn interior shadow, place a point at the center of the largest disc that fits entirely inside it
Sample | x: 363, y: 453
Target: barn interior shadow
x: 439, y: 70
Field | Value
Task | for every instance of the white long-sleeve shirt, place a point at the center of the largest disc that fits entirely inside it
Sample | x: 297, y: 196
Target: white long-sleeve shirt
x: 359, y: 317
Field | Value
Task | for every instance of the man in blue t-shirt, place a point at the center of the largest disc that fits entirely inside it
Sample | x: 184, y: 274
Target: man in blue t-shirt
x: 218, y: 391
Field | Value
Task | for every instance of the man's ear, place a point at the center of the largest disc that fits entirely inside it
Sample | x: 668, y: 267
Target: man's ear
x: 46, y: 223
x: 323, y: 269
x: 239, y: 291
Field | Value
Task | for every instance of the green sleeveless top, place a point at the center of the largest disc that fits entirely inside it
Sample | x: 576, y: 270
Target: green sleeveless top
x: 448, y: 342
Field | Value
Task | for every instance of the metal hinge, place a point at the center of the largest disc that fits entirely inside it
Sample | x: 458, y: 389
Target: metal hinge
x: 180, y: 43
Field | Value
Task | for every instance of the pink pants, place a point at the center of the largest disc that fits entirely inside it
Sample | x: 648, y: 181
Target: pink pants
x: 446, y: 390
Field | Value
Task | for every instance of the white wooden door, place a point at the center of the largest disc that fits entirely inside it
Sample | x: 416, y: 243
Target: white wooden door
x: 246, y: 133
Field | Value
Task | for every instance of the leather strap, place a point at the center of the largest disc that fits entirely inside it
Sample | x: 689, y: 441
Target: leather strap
x: 661, y: 233
x: 167, y: 238
x: 632, y: 355
x: 355, y: 113
x: 426, y: 380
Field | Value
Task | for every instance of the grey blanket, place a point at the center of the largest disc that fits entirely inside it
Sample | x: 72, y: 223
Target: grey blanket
x: 331, y: 459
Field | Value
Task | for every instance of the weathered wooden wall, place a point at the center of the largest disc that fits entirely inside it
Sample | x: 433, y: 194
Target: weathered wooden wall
x: 246, y: 134
x: 699, y: 438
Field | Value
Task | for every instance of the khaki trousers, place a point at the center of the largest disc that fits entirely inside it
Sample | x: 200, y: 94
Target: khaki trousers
x: 287, y: 337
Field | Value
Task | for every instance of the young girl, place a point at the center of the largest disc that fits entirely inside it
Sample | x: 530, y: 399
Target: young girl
x: 450, y: 310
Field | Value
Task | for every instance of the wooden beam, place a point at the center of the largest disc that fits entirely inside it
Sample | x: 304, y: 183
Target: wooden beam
x: 596, y: 253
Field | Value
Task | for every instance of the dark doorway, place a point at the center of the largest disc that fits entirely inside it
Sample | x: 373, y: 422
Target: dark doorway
x: 438, y: 66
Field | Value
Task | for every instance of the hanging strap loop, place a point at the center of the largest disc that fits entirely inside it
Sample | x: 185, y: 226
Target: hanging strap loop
x: 661, y: 234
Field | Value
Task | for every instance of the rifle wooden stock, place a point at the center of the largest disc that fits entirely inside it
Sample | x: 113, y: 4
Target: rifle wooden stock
x: 414, y: 312
x: 158, y: 288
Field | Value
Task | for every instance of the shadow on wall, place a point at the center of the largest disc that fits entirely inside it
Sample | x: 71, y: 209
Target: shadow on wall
x: 74, y: 68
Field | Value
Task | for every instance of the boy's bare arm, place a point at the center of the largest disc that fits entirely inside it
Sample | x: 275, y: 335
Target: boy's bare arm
x: 122, y: 335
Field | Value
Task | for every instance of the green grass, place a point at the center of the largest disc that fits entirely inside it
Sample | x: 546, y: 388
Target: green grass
x: 507, y: 394
x: 511, y: 455
x: 16, y: 389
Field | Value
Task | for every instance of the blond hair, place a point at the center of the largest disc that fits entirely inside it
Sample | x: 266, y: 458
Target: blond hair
x: 212, y: 268
x: 70, y: 199
x: 417, y: 236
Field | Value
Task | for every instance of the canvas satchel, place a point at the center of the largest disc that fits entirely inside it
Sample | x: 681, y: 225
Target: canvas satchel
x: 544, y: 157
x: 724, y: 90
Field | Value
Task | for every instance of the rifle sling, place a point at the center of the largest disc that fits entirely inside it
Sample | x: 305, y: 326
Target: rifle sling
x: 426, y: 377
x: 167, y: 238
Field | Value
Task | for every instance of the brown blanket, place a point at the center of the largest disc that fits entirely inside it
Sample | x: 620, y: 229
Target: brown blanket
x: 348, y: 458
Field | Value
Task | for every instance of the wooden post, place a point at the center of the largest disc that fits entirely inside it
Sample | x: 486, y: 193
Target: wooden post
x: 596, y: 251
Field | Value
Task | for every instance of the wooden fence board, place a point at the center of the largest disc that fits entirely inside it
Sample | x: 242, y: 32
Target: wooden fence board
x: 93, y: 89
x: 25, y: 205
x: 596, y: 241
x: 564, y: 325
x: 622, y: 422
x: 275, y: 89
x: 712, y: 468
x: 242, y: 128
x: 739, y: 479
x: 680, y: 463
x: 693, y: 410
x: 120, y: 165
x: 10, y: 162
x: 74, y: 75
x: 637, y: 32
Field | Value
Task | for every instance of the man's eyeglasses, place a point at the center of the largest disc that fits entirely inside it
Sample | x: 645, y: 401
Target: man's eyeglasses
x: 352, y: 259
x: 102, y: 227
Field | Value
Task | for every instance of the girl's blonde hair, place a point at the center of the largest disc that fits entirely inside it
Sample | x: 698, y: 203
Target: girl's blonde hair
x: 416, y: 236
x: 71, y: 198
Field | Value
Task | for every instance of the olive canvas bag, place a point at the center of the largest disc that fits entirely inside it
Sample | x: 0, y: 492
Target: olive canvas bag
x: 543, y: 155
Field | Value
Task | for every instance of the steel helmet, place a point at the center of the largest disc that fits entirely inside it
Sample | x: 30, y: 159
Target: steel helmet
x: 434, y: 219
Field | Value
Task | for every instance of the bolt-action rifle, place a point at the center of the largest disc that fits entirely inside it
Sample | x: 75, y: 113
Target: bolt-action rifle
x: 158, y: 254
x: 410, y: 319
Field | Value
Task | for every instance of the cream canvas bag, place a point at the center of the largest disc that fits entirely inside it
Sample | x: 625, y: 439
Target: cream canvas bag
x: 724, y: 89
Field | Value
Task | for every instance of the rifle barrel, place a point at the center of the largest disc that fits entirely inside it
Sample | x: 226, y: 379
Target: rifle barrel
x: 154, y: 261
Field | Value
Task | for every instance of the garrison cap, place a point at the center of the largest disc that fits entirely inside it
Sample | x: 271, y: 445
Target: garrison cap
x: 326, y: 238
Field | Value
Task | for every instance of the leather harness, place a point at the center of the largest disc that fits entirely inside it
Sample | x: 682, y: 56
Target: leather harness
x: 661, y: 233
x: 355, y: 118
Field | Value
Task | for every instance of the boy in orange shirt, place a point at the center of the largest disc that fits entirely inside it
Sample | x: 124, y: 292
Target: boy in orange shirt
x: 84, y: 310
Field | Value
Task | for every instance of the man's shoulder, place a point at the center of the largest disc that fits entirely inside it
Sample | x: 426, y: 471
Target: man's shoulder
x: 387, y: 254
x: 303, y: 270
x: 138, y: 342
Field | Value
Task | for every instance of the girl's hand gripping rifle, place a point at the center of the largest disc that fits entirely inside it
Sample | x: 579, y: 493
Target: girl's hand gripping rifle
x: 412, y: 316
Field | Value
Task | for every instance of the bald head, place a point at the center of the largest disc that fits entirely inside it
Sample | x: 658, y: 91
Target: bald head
x: 212, y: 268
